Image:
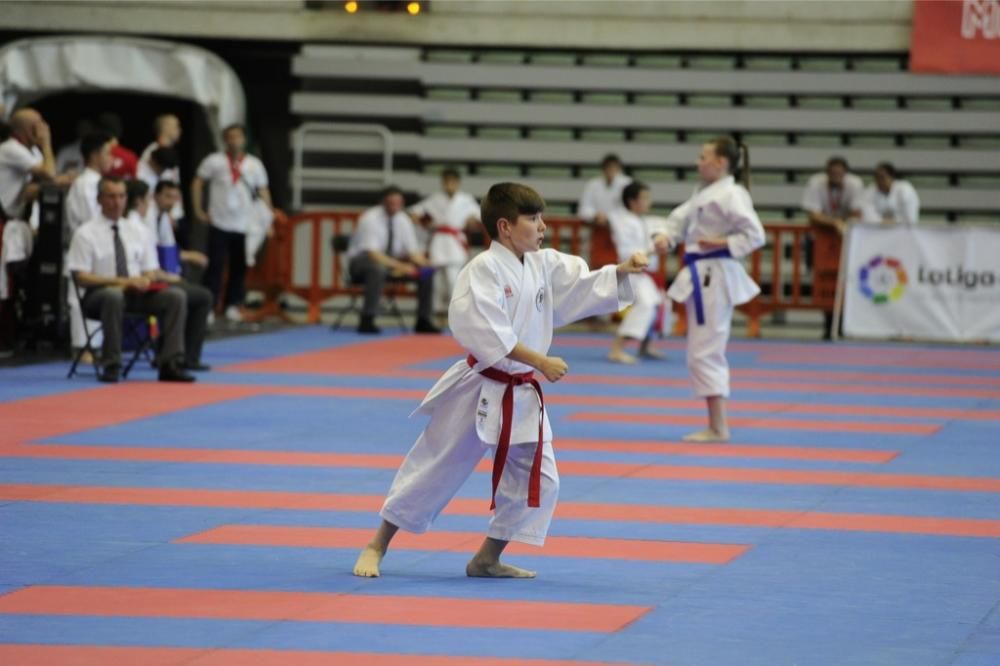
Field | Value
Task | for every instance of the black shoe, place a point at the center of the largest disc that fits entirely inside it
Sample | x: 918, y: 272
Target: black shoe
x: 426, y: 326
x: 174, y: 372
x: 368, y: 326
x: 110, y: 374
x: 196, y: 366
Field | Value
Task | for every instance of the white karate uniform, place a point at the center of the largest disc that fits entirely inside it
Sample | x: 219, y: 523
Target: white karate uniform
x: 721, y: 209
x: 499, y: 302
x: 632, y: 233
x: 600, y: 197
x: 448, y: 249
x: 900, y: 205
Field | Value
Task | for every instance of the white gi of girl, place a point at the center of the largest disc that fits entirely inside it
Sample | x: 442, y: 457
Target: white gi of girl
x: 719, y: 226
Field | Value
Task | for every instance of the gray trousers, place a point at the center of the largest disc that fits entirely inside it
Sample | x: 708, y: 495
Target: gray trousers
x: 199, y: 303
x: 372, y: 276
x: 109, y: 304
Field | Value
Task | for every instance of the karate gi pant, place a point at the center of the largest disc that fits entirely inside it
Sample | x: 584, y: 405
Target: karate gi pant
x: 640, y: 317
x: 444, y: 283
x: 443, y: 458
x: 706, y: 343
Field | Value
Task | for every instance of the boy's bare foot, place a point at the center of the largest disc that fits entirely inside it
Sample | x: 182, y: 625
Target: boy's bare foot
x: 621, y: 357
x: 475, y: 569
x: 368, y: 561
x: 707, y: 435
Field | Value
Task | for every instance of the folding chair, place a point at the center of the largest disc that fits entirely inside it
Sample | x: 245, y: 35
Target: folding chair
x: 135, y: 326
x: 393, y: 289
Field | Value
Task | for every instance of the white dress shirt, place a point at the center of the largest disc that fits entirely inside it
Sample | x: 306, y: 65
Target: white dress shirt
x: 81, y: 200
x: 231, y: 204
x: 16, y: 162
x: 600, y: 197
x: 93, y: 248
x: 372, y: 234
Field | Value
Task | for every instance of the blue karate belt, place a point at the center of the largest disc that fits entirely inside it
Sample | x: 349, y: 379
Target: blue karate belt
x: 690, y: 260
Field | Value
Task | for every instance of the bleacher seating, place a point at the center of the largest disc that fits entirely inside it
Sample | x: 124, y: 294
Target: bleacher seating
x: 547, y: 118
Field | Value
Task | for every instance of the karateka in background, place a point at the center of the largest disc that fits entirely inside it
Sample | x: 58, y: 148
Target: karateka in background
x: 719, y: 226
x: 506, y: 303
x: 448, y: 213
x: 891, y: 200
x: 632, y: 233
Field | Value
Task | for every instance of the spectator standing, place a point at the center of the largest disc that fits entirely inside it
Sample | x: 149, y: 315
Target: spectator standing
x: 449, y: 212
x: 236, y: 180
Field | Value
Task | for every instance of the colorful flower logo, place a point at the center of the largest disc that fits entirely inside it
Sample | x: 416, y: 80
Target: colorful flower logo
x: 883, y: 279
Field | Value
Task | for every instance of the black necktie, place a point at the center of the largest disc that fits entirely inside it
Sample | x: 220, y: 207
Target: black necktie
x: 121, y: 263
x: 388, y: 246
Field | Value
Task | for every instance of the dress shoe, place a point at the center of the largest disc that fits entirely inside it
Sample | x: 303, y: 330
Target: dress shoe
x: 174, y: 372
x: 426, y: 326
x: 110, y: 374
x: 368, y: 326
x: 196, y: 366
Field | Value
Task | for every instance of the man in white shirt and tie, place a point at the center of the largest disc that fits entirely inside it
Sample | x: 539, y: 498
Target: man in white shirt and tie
x: 384, y: 245
x: 116, y: 263
x: 236, y: 180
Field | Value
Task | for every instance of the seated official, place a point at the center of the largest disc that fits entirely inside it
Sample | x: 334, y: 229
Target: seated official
x: 114, y: 261
x: 384, y: 245
x: 155, y: 220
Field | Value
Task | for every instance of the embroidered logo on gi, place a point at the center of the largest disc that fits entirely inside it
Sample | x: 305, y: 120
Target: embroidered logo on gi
x: 540, y: 299
x: 482, y: 412
x: 507, y: 291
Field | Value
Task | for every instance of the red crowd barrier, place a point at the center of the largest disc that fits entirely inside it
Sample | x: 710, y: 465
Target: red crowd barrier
x: 782, y: 280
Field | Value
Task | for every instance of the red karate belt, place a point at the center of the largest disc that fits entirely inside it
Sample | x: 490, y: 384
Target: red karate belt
x: 451, y: 231
x: 507, y: 415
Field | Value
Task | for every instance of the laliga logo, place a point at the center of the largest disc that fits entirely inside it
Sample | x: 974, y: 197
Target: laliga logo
x: 883, y: 279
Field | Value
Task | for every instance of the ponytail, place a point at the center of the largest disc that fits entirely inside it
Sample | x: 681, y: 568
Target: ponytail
x: 745, y: 170
x: 738, y: 156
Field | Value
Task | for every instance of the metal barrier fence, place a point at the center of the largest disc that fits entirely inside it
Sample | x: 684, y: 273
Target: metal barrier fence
x: 300, y: 259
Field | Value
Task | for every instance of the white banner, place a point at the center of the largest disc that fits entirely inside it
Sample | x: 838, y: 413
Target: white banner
x: 923, y: 282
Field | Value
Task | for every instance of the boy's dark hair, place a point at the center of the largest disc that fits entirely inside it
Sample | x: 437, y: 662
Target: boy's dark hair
x: 508, y: 201
x: 611, y: 158
x: 166, y: 184
x: 165, y: 158
x: 135, y: 190
x: 93, y: 142
x: 451, y: 172
x: 632, y: 191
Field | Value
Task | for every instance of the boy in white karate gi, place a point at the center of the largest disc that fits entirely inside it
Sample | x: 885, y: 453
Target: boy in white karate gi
x: 449, y: 212
x: 507, y: 302
x: 632, y: 233
x: 718, y: 226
